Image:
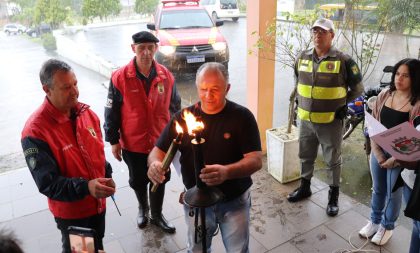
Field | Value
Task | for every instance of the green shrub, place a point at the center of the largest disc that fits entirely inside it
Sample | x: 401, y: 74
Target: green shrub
x: 49, y: 42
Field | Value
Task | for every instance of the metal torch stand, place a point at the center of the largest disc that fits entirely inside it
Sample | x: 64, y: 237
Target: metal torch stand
x: 200, y: 198
x: 201, y: 195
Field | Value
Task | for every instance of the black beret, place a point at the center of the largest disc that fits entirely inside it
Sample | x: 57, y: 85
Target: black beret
x: 143, y: 37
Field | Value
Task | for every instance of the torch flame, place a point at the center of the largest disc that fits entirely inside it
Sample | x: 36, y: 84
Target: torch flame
x: 178, y: 127
x: 192, y: 124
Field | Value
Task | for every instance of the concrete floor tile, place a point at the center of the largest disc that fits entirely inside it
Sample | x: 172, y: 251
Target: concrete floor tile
x: 6, y: 212
x: 24, y: 189
x: 34, y: 225
x: 362, y: 209
x: 305, y: 215
x: 180, y: 237
x: 124, y: 197
x: 286, y: 247
x: 271, y: 232
x: 5, y: 195
x: 255, y: 245
x: 400, y: 240
x: 4, y: 179
x: 118, y: 226
x: 50, y: 242
x: 29, y: 205
x: 318, y: 184
x: 150, y: 240
x: 321, y: 199
x: 19, y: 176
x: 120, y: 178
x: 320, y: 239
x: 347, y: 224
x: 113, y: 247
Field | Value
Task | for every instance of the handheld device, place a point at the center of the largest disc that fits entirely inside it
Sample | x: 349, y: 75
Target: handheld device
x: 82, y: 240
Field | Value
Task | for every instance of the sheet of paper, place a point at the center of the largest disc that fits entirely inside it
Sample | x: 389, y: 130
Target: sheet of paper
x: 402, y: 141
x: 373, y: 125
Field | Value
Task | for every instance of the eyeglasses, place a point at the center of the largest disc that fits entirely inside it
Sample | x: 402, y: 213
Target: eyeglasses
x: 319, y: 31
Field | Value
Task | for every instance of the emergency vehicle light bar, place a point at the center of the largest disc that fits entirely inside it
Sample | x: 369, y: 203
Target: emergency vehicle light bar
x: 180, y: 2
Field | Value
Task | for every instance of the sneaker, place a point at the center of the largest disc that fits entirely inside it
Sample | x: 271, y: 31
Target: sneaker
x: 382, y: 236
x: 369, y: 230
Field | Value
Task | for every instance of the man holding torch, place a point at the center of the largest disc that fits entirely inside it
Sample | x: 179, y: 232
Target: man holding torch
x: 231, y: 152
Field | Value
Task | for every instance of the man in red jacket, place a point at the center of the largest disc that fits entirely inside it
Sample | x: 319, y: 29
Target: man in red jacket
x: 141, y: 98
x: 63, y: 148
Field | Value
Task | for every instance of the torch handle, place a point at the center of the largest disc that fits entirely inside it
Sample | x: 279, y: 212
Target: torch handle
x: 167, y: 160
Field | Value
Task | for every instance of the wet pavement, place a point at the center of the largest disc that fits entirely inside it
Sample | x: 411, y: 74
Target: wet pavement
x: 274, y: 224
x: 277, y: 226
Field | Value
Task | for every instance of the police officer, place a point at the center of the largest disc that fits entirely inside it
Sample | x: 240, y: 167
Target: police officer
x: 141, y: 98
x: 326, y: 80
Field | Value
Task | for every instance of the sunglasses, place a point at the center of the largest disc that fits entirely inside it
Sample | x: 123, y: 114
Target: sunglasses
x: 319, y: 31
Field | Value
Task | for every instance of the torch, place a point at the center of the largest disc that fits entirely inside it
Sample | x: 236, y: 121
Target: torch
x: 201, y: 195
x: 171, y: 152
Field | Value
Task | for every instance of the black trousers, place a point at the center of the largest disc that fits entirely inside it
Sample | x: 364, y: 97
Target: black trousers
x: 137, y: 168
x: 96, y: 222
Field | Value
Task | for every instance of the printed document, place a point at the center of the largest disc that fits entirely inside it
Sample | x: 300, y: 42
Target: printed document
x: 402, y: 141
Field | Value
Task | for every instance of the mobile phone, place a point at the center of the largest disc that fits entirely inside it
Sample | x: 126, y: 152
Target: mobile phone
x: 82, y: 240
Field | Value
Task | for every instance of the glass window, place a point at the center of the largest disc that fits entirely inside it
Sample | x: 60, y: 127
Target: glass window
x: 228, y: 2
x: 185, y: 19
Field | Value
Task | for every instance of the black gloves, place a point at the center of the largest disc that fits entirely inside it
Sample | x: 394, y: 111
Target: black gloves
x: 341, y: 112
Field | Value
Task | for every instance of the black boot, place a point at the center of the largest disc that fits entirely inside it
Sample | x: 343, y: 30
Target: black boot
x: 156, y: 202
x: 302, y: 192
x: 332, y: 208
x: 143, y: 217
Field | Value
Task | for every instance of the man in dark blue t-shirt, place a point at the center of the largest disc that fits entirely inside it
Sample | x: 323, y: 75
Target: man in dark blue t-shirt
x: 232, y: 153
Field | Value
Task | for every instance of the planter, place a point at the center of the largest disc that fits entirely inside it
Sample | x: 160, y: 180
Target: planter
x: 282, y: 154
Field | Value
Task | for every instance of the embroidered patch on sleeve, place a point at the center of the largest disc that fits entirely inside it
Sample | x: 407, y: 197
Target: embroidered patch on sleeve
x: 108, y: 103
x: 30, y: 151
x: 355, y: 70
x: 30, y: 156
x: 31, y: 163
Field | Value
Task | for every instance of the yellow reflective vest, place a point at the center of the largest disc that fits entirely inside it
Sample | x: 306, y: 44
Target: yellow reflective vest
x: 321, y: 87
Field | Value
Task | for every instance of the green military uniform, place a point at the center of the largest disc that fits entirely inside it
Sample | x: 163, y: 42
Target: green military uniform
x: 324, y: 86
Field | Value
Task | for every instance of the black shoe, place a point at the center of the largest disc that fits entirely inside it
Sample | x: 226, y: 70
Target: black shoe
x: 161, y: 222
x: 142, y: 219
x: 302, y: 192
x: 143, y: 216
x: 332, y: 207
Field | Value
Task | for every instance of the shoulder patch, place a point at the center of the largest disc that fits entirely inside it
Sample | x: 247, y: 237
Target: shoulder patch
x: 108, y: 103
x: 30, y: 151
x: 355, y: 69
x: 31, y: 163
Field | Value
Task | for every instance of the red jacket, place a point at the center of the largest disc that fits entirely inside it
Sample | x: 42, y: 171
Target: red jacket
x: 139, y: 118
x: 63, y: 155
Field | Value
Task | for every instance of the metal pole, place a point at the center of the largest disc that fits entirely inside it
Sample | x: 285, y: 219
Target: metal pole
x: 204, y: 229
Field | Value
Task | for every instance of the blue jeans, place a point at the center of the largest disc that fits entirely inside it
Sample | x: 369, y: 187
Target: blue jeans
x: 415, y: 233
x: 232, y: 217
x: 385, y: 203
